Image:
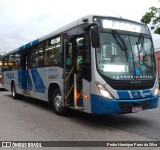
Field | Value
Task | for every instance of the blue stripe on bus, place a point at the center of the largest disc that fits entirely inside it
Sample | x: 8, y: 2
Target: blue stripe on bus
x: 21, y: 79
x: 135, y: 94
x: 30, y: 85
x: 38, y: 83
x: 27, y: 45
x: 35, y: 42
x: 21, y: 48
x: 97, y: 107
x: 147, y: 93
x: 123, y: 94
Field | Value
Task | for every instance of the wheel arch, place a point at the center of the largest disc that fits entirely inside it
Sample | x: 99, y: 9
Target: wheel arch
x: 51, y: 89
x: 12, y: 83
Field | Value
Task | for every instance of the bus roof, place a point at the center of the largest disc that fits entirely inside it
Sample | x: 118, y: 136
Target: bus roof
x: 81, y: 21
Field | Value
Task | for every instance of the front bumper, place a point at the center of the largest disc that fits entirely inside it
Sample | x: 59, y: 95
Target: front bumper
x: 100, y: 105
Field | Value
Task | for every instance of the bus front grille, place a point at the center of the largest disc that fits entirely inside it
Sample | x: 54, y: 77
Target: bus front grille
x: 127, y: 107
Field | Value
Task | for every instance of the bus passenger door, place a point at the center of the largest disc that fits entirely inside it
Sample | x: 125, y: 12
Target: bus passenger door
x: 25, y: 72
x: 79, y: 60
x: 72, y: 77
x: 69, y: 72
x: 75, y: 56
x: 82, y: 72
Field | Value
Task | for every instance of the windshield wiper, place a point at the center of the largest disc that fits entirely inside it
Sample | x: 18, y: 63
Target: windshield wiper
x: 140, y: 42
x: 119, y: 40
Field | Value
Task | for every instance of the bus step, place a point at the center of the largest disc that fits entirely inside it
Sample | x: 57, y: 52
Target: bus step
x: 80, y: 102
x: 26, y: 95
x: 77, y: 108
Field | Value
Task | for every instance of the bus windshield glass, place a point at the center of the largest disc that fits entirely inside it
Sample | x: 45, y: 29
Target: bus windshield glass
x: 125, y: 57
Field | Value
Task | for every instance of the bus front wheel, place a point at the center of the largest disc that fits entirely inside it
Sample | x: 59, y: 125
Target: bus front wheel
x: 57, y: 102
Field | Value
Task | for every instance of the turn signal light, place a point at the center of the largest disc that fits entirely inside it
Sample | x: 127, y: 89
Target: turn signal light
x: 86, y: 96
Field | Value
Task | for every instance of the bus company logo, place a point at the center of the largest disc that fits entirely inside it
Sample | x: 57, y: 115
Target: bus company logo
x: 136, y: 94
x: 147, y: 94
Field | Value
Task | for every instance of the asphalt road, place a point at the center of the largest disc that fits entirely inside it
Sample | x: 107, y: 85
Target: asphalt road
x: 31, y: 120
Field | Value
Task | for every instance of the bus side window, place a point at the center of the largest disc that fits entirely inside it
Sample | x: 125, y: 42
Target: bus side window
x: 5, y: 64
x: 37, y: 55
x: 40, y: 50
x: 17, y: 61
x: 80, y: 49
x: 10, y: 63
x: 34, y: 58
x: 53, y: 52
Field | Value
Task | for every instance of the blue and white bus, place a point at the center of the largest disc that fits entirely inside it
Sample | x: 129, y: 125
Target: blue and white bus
x: 96, y: 64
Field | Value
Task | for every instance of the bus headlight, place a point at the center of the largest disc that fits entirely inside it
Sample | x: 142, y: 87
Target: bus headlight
x: 156, y: 90
x: 103, y: 91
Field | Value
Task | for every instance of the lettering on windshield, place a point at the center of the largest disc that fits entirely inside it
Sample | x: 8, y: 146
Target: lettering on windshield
x: 119, y: 25
x: 131, y: 77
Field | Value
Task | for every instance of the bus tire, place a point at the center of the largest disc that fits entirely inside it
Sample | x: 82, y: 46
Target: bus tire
x: 13, y: 91
x: 57, y: 103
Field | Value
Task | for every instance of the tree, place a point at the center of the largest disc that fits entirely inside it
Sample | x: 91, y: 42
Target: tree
x: 152, y: 17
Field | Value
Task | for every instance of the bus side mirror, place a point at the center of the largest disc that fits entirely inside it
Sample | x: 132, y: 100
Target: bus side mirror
x: 95, y: 36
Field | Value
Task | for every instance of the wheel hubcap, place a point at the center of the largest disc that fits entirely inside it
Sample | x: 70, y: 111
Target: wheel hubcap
x: 13, y: 91
x: 58, y: 102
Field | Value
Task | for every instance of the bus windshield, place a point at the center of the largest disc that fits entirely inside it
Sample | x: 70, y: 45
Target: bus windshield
x: 125, y: 57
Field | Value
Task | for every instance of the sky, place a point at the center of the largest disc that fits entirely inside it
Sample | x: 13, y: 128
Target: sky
x: 22, y: 21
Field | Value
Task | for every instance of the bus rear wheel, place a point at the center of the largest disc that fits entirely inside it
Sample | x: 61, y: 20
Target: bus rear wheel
x: 13, y: 91
x: 57, y: 103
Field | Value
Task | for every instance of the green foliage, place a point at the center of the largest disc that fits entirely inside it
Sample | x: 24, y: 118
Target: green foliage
x: 152, y: 17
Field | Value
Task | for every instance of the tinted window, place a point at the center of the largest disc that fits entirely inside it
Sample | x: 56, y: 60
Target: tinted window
x: 53, y: 52
x: 38, y: 55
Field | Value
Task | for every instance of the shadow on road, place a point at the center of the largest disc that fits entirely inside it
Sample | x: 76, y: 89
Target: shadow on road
x: 116, y: 120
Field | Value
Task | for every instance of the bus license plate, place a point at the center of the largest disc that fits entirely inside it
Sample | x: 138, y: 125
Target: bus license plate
x: 136, y: 109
